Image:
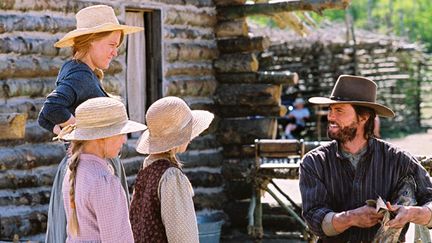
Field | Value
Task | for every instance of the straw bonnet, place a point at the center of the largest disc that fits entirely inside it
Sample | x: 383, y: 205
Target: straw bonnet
x: 100, y: 117
x: 171, y: 123
x: 95, y: 19
x: 354, y: 90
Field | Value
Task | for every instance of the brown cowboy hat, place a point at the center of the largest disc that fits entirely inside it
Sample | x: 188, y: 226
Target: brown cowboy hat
x: 354, y: 90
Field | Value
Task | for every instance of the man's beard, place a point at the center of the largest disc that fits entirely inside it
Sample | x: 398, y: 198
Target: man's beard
x: 345, y: 134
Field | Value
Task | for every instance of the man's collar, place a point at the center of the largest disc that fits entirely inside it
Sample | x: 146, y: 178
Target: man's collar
x: 369, y: 149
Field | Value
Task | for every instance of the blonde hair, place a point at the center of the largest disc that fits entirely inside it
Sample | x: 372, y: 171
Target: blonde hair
x: 76, y: 148
x: 172, y: 156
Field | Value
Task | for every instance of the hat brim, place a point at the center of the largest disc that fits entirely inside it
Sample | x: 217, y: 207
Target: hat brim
x: 380, y: 110
x: 67, y: 40
x: 104, y: 132
x: 148, y: 144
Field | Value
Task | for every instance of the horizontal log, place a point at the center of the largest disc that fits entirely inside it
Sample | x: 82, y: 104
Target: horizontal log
x: 28, y: 45
x: 25, y: 196
x: 33, y: 220
x: 204, y: 142
x: 236, y: 63
x: 174, y: 16
x: 23, y: 105
x: 199, y: 3
x: 205, y: 179
x: 269, y: 77
x: 245, y: 131
x: 12, y: 125
x: 188, y: 33
x: 132, y: 165
x: 239, y: 151
x: 234, y: 12
x: 200, y: 68
x: 36, y: 134
x: 244, y: 111
x: 248, y: 94
x: 196, y: 158
x: 234, y: 169
x: 31, y: 87
x: 28, y: 66
x: 40, y: 176
x: 280, y: 77
x: 229, y: 2
x: 209, y: 201
x: 41, y: 23
x: 190, y: 52
x: 230, y: 29
x: 204, y: 86
x: 243, y: 44
x: 29, y: 156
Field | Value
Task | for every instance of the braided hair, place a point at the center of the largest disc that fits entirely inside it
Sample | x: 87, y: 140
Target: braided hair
x: 76, y: 148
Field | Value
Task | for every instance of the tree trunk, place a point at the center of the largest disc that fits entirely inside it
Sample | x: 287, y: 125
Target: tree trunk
x: 234, y: 28
x: 236, y: 63
x: 243, y: 44
x: 225, y: 13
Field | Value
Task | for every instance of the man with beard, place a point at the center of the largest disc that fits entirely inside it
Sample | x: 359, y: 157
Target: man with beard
x: 336, y: 179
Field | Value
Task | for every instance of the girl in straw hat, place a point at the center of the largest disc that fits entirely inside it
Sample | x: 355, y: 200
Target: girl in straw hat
x: 162, y: 209
x: 94, y: 43
x: 96, y: 206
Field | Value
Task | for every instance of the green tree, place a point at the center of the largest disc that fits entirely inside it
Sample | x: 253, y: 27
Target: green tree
x: 400, y: 17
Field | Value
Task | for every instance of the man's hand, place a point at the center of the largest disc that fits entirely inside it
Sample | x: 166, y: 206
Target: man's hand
x: 363, y: 217
x: 405, y: 214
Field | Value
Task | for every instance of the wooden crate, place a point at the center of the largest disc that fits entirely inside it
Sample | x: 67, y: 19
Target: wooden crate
x: 12, y: 125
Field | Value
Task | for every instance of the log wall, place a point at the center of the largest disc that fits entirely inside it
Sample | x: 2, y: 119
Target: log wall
x: 248, y: 101
x: 398, y: 70
x: 29, y: 64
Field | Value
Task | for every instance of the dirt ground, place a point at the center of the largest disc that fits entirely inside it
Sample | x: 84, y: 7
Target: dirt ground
x: 416, y: 144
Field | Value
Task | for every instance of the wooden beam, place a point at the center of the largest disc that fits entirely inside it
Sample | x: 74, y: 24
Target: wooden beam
x: 226, y: 13
x: 243, y: 44
x: 248, y: 94
x: 233, y: 28
x: 237, y: 63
